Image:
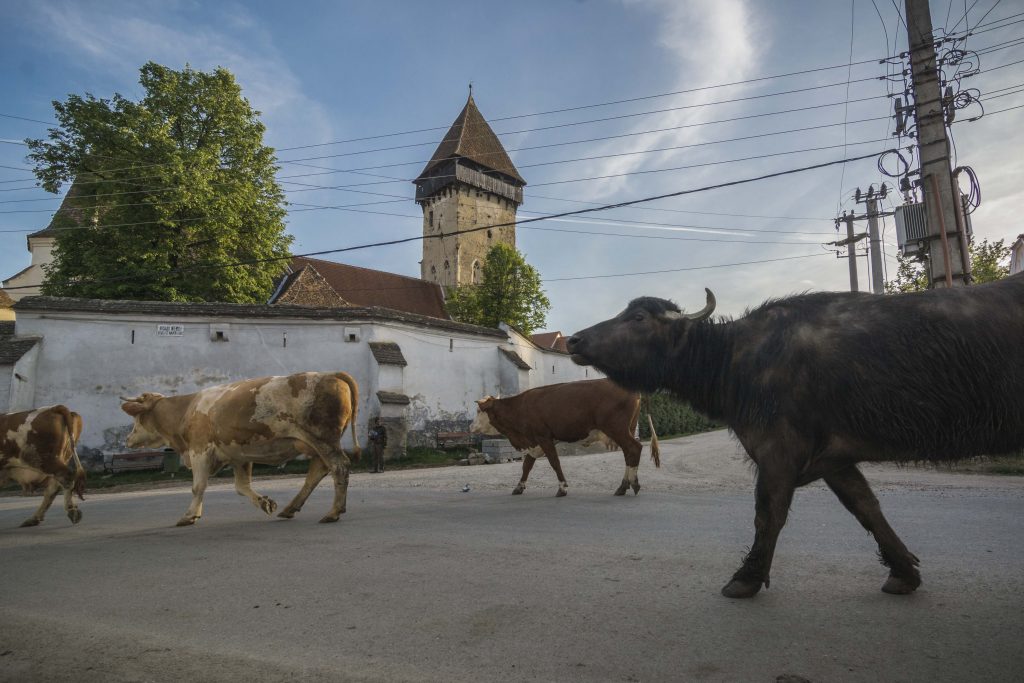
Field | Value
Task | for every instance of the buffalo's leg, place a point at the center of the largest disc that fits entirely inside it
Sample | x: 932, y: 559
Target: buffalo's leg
x: 243, y: 487
x: 203, y: 466
x: 338, y: 464
x: 317, y: 471
x: 853, y: 491
x: 49, y: 493
x: 773, y: 495
x: 528, y: 460
x: 549, y: 450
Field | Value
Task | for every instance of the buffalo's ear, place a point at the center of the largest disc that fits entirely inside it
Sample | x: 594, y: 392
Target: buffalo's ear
x: 485, y: 403
x: 134, y: 408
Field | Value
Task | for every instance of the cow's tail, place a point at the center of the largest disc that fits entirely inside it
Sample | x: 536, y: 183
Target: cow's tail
x: 354, y: 391
x: 655, y: 448
x: 72, y: 430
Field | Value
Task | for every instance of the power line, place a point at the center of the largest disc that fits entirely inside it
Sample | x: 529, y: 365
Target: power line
x: 420, y: 238
x: 680, y: 270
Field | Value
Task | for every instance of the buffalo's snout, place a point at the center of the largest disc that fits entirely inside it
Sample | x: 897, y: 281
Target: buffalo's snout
x: 576, y: 346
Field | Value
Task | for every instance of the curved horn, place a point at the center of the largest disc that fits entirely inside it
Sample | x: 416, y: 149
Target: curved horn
x: 128, y: 400
x: 705, y: 312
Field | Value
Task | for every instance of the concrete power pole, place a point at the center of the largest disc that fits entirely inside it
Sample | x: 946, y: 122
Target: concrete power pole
x: 875, y: 246
x: 851, y: 252
x: 948, y: 265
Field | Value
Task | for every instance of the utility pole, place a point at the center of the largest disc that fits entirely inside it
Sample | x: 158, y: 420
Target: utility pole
x: 875, y: 246
x: 851, y: 252
x: 948, y: 264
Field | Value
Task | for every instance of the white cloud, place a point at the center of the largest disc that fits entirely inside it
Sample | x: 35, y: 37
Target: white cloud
x: 121, y: 43
x: 707, y: 42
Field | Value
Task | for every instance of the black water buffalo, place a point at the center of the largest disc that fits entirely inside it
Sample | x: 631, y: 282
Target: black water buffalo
x: 813, y: 384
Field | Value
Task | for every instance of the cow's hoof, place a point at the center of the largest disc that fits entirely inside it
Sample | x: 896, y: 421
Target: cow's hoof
x: 75, y: 515
x: 327, y: 519
x: 741, y: 589
x: 31, y: 521
x: 896, y: 585
x: 287, y: 513
x: 561, y: 492
x: 518, y: 491
x: 623, y: 487
x: 267, y: 505
x: 186, y: 521
x: 636, y: 488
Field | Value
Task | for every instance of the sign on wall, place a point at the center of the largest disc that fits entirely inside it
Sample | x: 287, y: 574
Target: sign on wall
x: 170, y: 330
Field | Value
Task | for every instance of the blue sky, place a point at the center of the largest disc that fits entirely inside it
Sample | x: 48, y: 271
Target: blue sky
x: 329, y: 71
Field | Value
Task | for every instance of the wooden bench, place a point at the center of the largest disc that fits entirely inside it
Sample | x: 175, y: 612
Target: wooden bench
x: 447, y: 440
x: 126, y: 462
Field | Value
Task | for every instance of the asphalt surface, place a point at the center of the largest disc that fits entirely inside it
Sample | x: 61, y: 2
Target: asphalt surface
x: 423, y: 582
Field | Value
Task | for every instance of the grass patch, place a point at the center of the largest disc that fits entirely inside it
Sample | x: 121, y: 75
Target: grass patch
x: 415, y: 458
x: 1012, y: 465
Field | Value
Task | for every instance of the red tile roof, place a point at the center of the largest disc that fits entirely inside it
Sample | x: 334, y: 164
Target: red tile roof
x: 367, y: 287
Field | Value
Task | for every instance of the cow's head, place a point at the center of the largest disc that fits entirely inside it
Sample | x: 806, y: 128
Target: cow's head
x: 144, y: 431
x: 482, y: 422
x: 635, y: 347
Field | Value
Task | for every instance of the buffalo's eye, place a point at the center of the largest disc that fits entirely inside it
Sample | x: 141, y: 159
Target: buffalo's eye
x: 639, y: 317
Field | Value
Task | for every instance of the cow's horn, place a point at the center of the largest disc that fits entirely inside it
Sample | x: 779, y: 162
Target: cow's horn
x: 705, y: 312
x: 130, y: 400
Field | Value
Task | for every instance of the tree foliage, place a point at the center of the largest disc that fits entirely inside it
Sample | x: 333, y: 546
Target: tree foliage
x: 989, y: 262
x: 179, y: 181
x: 509, y: 292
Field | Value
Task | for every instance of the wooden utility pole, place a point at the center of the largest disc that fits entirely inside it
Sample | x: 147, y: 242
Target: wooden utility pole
x: 947, y: 262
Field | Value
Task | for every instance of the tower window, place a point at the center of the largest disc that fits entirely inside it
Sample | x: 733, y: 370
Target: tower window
x: 489, y: 234
x: 431, y: 219
x: 476, y: 272
x: 446, y: 266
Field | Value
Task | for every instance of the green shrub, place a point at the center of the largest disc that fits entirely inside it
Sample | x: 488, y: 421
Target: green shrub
x: 672, y: 418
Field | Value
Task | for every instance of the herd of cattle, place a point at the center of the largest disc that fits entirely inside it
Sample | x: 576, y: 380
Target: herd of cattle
x: 810, y: 385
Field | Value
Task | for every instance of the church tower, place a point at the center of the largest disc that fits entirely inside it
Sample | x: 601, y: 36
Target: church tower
x: 470, y: 182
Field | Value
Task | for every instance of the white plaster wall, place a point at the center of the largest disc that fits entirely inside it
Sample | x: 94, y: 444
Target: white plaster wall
x: 1017, y: 256
x: 6, y: 376
x: 23, y: 381
x: 87, y: 364
x: 42, y: 253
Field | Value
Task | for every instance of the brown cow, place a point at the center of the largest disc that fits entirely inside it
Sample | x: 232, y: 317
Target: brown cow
x: 574, y: 411
x: 269, y: 420
x: 36, y: 447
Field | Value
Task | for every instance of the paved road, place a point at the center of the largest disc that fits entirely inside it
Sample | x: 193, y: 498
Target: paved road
x: 421, y: 582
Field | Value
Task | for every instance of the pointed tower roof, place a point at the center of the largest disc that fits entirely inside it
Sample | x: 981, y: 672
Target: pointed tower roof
x: 470, y: 137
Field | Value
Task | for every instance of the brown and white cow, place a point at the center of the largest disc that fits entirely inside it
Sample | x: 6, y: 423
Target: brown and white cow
x: 36, y: 449
x: 268, y: 420
x: 574, y: 411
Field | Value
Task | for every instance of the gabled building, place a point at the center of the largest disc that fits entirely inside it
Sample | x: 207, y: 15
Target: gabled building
x: 1017, y: 255
x: 327, y: 284
x: 40, y: 246
x: 470, y: 182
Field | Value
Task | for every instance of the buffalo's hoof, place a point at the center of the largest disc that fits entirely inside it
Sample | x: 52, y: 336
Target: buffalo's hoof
x: 623, y: 487
x: 636, y: 488
x: 75, y: 515
x: 741, y: 589
x: 287, y: 513
x: 518, y: 491
x: 31, y: 521
x: 561, y: 492
x: 896, y: 585
x: 186, y: 521
x: 327, y: 519
x: 267, y: 505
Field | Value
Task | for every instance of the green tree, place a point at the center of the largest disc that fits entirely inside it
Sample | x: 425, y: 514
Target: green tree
x: 178, y: 181
x: 509, y: 292
x: 989, y: 261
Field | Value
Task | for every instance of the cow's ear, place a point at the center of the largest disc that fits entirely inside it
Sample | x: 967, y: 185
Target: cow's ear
x: 133, y: 408
x: 485, y: 403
